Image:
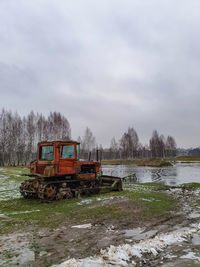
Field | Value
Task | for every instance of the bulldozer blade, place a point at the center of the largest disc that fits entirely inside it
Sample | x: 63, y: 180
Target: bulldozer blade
x: 110, y: 183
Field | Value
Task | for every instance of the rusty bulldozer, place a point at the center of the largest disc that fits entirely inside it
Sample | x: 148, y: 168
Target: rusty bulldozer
x: 58, y: 173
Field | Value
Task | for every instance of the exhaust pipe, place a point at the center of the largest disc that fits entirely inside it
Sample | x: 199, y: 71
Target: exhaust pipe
x: 97, y: 155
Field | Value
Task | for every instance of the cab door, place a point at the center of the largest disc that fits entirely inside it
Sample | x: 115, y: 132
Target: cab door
x: 67, y: 158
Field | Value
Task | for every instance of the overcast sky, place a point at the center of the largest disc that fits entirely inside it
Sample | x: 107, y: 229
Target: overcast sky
x: 106, y: 64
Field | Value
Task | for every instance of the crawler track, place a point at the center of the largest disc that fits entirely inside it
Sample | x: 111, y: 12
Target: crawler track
x: 54, y: 189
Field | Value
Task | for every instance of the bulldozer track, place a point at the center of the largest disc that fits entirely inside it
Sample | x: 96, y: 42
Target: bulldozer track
x: 66, y: 189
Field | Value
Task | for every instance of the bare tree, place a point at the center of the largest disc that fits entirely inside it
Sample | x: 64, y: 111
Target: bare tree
x: 124, y: 145
x: 170, y: 146
x: 154, y: 144
x: 40, y: 127
x: 114, y: 148
x: 129, y: 143
x: 19, y: 136
x: 158, y: 145
x: 162, y: 141
x: 88, y: 140
x: 20, y: 139
x: 58, y: 126
x: 11, y: 134
x: 133, y: 142
x: 3, y: 135
x: 30, y: 128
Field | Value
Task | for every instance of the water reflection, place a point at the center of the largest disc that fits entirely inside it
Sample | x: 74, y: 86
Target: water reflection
x: 173, y: 175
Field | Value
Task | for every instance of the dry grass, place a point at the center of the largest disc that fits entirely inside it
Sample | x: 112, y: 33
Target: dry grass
x: 186, y: 158
x: 153, y: 162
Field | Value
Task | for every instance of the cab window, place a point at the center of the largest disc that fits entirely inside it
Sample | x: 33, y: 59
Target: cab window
x: 46, y: 153
x: 67, y: 151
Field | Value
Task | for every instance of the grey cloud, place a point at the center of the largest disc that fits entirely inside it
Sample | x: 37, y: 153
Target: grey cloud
x: 107, y: 65
x: 14, y: 80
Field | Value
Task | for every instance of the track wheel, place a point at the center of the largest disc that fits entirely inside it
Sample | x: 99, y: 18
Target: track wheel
x: 68, y: 193
x: 50, y: 192
x: 35, y: 184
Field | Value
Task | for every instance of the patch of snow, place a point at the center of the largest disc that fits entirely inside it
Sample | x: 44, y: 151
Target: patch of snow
x: 10, y: 194
x: 87, y: 262
x: 175, y: 190
x: 190, y: 255
x: 3, y: 176
x: 88, y: 201
x: 104, y: 198
x: 110, y: 228
x: 42, y: 253
x: 146, y: 199
x: 169, y: 256
x: 194, y: 215
x: 3, y: 216
x: 17, y: 245
x: 82, y: 226
x: 85, y: 201
x: 197, y: 192
x: 137, y: 188
x: 22, y: 212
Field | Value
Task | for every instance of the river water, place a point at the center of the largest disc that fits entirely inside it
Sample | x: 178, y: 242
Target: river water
x: 179, y: 173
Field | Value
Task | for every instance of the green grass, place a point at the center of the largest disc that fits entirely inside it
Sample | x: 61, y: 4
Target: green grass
x: 190, y: 185
x: 52, y: 214
x: 10, y: 179
x: 106, y: 212
x: 198, y: 202
x: 49, y: 214
x: 153, y: 203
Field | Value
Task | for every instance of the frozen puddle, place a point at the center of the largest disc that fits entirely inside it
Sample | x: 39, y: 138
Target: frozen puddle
x: 123, y: 255
x: 137, y: 234
x: 196, y: 240
x: 133, y: 232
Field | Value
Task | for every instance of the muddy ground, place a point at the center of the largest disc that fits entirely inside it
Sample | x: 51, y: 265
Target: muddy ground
x: 125, y: 219
x: 80, y: 243
x: 52, y: 246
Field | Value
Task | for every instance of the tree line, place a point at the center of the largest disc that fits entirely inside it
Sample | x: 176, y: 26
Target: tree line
x: 19, y: 137
x: 129, y: 147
